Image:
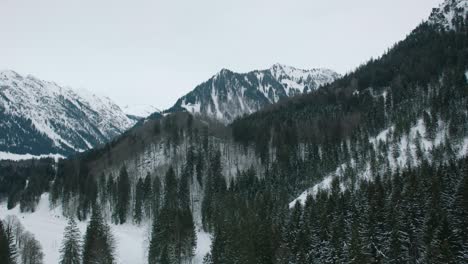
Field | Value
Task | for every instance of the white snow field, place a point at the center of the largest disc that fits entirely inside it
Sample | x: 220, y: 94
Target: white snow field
x: 16, y: 157
x: 47, y: 225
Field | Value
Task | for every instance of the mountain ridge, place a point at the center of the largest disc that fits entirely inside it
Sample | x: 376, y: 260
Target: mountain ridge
x: 42, y: 117
x: 228, y: 94
x: 449, y: 14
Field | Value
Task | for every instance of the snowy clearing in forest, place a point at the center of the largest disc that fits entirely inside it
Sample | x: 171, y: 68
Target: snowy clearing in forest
x: 16, y: 157
x: 47, y: 225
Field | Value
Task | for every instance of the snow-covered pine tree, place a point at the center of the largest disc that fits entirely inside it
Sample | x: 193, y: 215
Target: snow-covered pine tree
x: 71, y: 244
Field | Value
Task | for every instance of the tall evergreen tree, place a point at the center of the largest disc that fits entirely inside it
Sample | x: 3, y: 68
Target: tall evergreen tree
x: 139, y: 202
x: 98, y: 245
x: 71, y: 245
x: 123, y: 195
x: 7, y: 253
x: 147, y: 196
x: 173, y: 235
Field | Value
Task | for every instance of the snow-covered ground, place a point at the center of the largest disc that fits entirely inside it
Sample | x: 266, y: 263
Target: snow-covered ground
x: 47, y: 225
x: 13, y: 156
x: 140, y: 110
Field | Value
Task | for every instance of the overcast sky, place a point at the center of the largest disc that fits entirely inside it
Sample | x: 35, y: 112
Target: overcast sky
x: 152, y: 52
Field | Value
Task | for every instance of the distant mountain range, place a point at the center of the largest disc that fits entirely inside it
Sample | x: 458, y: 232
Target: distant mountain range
x: 228, y: 94
x: 42, y: 118
x: 39, y: 117
x: 139, y: 111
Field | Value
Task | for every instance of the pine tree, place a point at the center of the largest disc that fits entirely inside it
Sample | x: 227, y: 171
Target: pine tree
x: 173, y: 234
x: 164, y: 229
x: 123, y: 195
x: 71, y: 245
x: 165, y: 259
x: 214, y: 192
x: 187, y: 241
x: 7, y: 253
x: 147, y: 196
x: 157, y: 234
x: 98, y: 243
x: 139, y: 196
x: 356, y: 247
x: 460, y: 212
x: 155, y: 198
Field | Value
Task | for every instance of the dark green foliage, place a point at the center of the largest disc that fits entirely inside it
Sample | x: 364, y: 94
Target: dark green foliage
x: 148, y: 196
x: 215, y: 188
x: 139, y: 202
x: 245, y: 230
x: 98, y: 245
x: 87, y: 189
x: 13, y: 178
x: 123, y: 196
x: 71, y: 244
x: 155, y: 197
x: 380, y: 216
x: 173, y: 237
x: 7, y: 246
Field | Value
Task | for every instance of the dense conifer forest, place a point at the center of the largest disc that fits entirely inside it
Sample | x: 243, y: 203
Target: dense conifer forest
x: 388, y: 142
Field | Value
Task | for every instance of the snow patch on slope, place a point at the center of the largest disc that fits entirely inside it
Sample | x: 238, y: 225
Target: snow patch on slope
x: 47, y: 225
x: 228, y: 95
x: 140, y: 110
x: 449, y: 10
x: 16, y: 157
x: 296, y: 80
x: 406, y: 148
x: 70, y: 118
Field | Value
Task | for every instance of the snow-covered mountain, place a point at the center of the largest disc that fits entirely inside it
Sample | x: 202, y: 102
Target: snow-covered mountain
x: 39, y: 117
x: 139, y: 111
x: 449, y: 14
x: 228, y: 95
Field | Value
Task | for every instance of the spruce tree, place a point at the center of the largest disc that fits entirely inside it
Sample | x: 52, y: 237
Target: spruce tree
x: 71, y: 245
x: 123, y: 195
x: 173, y: 236
x: 7, y: 254
x: 164, y: 229
x: 155, y: 197
x: 147, y: 196
x: 138, y: 207
x: 98, y: 243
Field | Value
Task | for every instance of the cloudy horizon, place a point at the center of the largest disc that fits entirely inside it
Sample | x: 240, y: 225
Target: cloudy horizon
x: 153, y: 52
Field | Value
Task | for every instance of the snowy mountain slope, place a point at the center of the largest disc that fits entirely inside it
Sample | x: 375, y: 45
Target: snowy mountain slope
x: 449, y: 14
x: 139, y: 110
x: 228, y: 95
x: 16, y: 157
x: 407, y: 147
x: 47, y: 224
x: 40, y: 117
x: 446, y: 17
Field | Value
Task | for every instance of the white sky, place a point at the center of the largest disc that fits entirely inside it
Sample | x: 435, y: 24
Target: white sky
x: 153, y: 52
